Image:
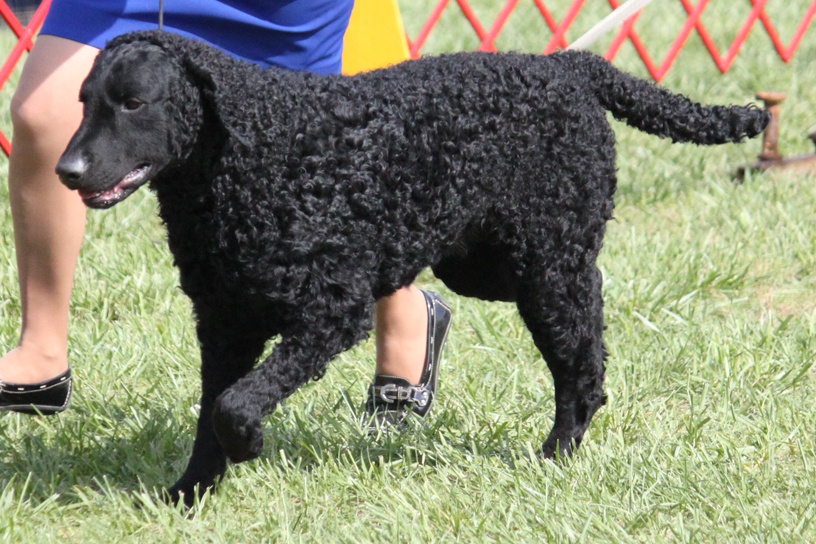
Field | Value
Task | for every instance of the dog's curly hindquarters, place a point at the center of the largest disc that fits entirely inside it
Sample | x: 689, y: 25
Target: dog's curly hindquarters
x: 294, y: 201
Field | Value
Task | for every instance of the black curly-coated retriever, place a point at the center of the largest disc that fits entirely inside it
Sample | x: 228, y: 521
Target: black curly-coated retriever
x: 294, y: 201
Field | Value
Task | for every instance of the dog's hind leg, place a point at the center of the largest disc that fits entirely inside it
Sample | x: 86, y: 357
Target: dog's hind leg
x: 322, y: 332
x: 228, y: 351
x: 564, y: 313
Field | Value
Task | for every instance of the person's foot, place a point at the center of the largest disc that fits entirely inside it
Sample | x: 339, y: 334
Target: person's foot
x: 27, y: 364
x: 391, y: 398
x: 33, y: 383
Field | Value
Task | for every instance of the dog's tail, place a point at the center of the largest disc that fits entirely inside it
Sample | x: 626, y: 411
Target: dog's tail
x: 655, y: 110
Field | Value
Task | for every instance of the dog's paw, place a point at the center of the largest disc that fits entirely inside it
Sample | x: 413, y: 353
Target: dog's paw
x: 186, y: 492
x: 204, y: 471
x: 240, y: 434
x: 556, y: 449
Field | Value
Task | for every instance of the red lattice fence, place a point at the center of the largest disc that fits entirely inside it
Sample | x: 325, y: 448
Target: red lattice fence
x: 24, y: 43
x: 694, y: 22
x: 487, y: 35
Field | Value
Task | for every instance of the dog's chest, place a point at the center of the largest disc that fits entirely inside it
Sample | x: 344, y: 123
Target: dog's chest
x: 231, y: 255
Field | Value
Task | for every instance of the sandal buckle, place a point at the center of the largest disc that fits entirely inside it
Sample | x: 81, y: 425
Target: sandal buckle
x: 392, y: 393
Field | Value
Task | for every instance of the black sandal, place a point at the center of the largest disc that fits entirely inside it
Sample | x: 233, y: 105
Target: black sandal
x: 391, y: 398
x: 46, y: 398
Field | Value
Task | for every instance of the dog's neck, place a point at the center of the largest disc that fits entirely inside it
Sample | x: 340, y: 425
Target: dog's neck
x: 183, y: 188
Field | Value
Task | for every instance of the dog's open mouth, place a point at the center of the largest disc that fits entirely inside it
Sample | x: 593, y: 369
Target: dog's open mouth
x: 108, y: 197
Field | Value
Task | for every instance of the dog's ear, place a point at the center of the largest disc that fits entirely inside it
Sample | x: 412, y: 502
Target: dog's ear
x: 216, y: 74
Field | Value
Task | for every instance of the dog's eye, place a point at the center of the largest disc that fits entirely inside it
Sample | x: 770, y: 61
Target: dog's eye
x: 132, y: 104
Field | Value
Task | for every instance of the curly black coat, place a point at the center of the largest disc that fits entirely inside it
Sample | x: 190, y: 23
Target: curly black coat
x: 294, y: 201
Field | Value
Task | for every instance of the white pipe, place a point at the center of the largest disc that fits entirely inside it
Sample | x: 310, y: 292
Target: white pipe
x: 617, y: 17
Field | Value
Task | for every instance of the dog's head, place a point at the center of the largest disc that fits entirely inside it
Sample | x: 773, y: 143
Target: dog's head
x: 142, y: 110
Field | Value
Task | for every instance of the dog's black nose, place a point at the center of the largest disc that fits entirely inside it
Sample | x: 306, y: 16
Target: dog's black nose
x: 70, y: 170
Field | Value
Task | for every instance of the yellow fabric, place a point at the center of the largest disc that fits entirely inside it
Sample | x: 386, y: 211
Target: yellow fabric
x: 375, y: 37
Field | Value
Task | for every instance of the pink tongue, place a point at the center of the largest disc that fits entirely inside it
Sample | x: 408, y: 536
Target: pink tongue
x: 86, y: 194
x: 91, y: 194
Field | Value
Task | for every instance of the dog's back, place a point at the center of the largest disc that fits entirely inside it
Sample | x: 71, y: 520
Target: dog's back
x: 466, y: 146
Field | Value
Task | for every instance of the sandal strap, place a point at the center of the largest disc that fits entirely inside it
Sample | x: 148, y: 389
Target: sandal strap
x: 399, y: 394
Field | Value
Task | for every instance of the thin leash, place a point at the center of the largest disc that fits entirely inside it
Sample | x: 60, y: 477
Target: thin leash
x: 161, y: 14
x: 623, y: 12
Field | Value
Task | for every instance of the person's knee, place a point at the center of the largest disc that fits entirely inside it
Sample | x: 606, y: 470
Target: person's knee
x: 32, y: 113
x: 46, y: 104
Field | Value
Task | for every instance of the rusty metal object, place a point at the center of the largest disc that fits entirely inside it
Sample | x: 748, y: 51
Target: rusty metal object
x: 770, y: 139
x: 771, y: 157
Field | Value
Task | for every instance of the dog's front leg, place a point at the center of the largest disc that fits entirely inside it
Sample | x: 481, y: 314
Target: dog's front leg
x: 228, y: 351
x: 301, y: 355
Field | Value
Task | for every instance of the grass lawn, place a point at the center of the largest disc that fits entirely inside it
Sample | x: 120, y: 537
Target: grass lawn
x: 708, y: 434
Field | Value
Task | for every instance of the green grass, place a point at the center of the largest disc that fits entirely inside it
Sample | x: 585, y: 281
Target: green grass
x: 707, y: 435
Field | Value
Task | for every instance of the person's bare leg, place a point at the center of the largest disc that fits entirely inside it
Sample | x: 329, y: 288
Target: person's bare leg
x: 49, y: 220
x: 402, y: 330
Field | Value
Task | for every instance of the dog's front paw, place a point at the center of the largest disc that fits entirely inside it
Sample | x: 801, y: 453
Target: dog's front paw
x: 205, y: 469
x: 239, y: 433
x: 187, y: 490
x: 555, y: 448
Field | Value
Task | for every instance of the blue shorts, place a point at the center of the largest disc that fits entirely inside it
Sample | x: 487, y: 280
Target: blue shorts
x: 295, y: 34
